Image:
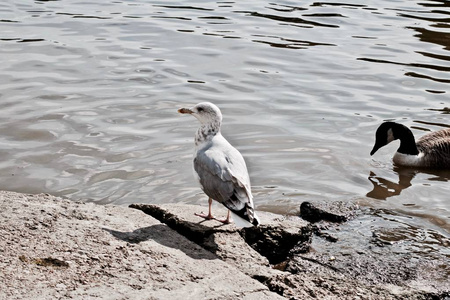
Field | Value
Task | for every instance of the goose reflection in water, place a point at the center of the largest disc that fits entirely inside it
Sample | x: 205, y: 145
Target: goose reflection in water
x: 384, y: 188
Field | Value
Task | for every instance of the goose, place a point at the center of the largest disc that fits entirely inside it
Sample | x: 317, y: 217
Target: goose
x: 430, y: 151
x: 220, y: 168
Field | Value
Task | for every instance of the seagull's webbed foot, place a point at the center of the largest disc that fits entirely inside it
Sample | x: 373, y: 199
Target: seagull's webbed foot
x: 209, y: 216
x: 205, y: 216
x: 227, y: 220
x: 224, y: 221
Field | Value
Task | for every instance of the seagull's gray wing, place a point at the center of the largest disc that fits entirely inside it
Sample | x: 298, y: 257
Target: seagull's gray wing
x: 223, y: 176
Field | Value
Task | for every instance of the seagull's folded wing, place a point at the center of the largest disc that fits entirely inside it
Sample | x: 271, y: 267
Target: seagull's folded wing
x: 219, y: 175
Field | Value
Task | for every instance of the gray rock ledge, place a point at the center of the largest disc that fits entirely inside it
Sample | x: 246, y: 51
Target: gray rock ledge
x: 52, y: 248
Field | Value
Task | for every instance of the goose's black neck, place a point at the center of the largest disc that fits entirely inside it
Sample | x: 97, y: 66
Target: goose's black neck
x: 407, y: 141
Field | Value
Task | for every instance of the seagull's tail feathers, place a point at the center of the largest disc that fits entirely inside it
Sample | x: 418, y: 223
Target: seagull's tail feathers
x: 244, y: 217
x: 241, y: 204
x: 240, y: 222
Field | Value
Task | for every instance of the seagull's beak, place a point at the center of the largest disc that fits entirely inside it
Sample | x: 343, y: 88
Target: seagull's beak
x: 185, y: 111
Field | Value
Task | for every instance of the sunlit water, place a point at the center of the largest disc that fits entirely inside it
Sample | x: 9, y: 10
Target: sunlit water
x: 89, y: 93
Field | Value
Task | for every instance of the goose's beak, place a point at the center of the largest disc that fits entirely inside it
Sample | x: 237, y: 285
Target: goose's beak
x: 375, y: 148
x: 185, y: 111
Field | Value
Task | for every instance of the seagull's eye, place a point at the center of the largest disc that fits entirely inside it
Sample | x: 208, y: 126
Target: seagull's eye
x: 200, y: 109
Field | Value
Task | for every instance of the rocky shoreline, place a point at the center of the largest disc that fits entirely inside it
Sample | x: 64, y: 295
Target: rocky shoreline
x: 53, y: 248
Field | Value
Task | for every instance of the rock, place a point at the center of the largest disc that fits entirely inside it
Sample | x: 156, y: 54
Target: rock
x: 277, y: 242
x: 50, y: 262
x: 252, y: 249
x: 313, y: 214
x: 277, y: 254
x: 60, y: 287
x: 274, y: 239
x: 110, y: 252
x: 114, y: 253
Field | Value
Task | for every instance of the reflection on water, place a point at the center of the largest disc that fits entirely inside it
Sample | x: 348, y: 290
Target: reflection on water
x: 384, y: 188
x: 89, y: 92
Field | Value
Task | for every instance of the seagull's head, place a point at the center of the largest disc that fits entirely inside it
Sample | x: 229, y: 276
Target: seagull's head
x: 205, y: 112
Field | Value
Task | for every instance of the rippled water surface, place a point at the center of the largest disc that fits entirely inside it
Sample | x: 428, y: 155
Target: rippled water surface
x: 89, y: 92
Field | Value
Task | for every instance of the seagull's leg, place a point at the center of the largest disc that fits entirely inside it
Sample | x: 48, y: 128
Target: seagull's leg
x: 209, y: 216
x: 227, y: 220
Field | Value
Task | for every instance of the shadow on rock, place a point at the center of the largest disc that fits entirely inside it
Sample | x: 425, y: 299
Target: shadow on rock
x: 275, y: 241
x: 193, y: 231
x: 162, y: 235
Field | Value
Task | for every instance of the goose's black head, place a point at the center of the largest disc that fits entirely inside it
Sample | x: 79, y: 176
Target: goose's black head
x: 383, y: 136
x: 390, y: 131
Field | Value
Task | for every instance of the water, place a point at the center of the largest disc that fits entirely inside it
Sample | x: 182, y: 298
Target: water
x: 89, y: 93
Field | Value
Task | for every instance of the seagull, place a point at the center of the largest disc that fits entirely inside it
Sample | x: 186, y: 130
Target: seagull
x: 220, y: 168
